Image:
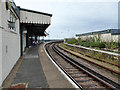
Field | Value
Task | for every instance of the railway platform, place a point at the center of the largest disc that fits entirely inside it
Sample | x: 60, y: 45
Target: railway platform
x: 39, y: 71
x: 54, y: 77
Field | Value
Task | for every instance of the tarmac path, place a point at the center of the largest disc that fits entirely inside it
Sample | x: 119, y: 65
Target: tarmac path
x: 31, y: 71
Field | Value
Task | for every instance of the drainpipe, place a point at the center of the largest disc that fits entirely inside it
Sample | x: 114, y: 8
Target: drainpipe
x: 21, y: 38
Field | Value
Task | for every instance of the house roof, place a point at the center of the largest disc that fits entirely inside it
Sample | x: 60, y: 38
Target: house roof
x: 112, y: 31
x: 35, y: 12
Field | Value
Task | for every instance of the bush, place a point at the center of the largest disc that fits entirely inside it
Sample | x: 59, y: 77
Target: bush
x: 114, y: 45
x: 72, y: 41
x: 119, y: 44
x: 77, y: 43
x: 101, y: 45
x: 118, y: 51
x: 98, y: 44
x: 86, y: 44
x: 84, y: 40
x: 108, y: 45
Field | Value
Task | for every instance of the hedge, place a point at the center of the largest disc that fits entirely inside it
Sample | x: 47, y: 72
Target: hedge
x: 98, y: 44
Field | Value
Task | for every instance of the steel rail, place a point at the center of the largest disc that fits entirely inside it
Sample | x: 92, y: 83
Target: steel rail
x: 62, y: 68
x: 118, y: 73
x: 91, y: 56
x: 92, y: 73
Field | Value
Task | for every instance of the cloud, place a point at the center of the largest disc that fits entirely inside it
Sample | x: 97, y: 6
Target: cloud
x: 74, y: 17
x: 58, y: 1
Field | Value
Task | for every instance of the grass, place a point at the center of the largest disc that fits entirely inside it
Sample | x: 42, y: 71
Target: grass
x: 98, y: 55
x: 115, y: 68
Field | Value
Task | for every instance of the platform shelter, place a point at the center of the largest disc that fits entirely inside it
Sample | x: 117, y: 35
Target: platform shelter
x: 32, y: 24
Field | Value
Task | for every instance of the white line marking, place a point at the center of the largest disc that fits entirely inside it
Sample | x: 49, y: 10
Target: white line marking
x: 74, y: 85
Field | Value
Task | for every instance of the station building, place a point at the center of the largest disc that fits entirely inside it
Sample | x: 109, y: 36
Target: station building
x: 17, y: 27
x: 110, y: 35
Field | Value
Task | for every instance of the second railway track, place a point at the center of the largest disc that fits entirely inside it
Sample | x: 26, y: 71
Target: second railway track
x: 81, y: 75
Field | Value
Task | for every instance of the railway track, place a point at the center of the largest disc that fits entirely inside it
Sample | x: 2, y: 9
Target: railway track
x: 72, y: 49
x: 113, y: 71
x: 82, y: 76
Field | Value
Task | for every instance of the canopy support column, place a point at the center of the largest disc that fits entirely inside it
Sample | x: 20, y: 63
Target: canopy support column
x: 27, y: 39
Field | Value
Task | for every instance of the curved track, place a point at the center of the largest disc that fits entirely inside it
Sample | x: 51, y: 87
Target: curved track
x: 83, y: 77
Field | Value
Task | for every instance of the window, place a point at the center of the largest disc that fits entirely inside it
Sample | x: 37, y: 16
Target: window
x: 12, y: 22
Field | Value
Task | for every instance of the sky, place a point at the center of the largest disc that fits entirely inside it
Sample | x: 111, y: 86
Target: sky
x: 72, y: 17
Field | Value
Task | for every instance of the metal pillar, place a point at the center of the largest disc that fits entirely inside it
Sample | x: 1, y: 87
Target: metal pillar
x: 27, y: 39
x: 35, y: 38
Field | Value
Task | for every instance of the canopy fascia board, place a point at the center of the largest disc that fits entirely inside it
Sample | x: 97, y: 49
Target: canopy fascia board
x: 34, y: 17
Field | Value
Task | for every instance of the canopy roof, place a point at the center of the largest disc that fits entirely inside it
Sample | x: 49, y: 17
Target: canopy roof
x: 34, y: 21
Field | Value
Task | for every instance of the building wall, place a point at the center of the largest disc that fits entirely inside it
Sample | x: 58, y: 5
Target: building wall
x: 88, y: 37
x: 115, y: 38
x: 10, y: 51
x: 0, y: 55
x: 107, y: 37
x: 10, y: 43
x: 119, y: 38
x: 0, y: 44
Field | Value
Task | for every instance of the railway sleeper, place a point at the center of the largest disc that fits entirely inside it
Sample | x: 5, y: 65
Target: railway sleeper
x: 68, y: 67
x: 86, y: 80
x: 75, y: 72
x: 90, y: 85
x: 70, y: 70
x: 79, y: 76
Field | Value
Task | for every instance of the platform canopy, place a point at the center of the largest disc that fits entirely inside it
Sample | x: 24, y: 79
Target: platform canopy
x: 35, y: 22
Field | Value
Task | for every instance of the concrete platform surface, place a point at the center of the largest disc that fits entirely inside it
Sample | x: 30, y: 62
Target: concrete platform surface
x: 54, y: 77
x: 39, y: 71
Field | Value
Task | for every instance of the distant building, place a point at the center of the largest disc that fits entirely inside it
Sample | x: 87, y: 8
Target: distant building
x: 17, y: 26
x: 104, y: 35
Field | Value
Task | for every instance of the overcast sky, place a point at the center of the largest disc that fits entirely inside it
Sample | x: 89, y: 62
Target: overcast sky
x: 72, y: 17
